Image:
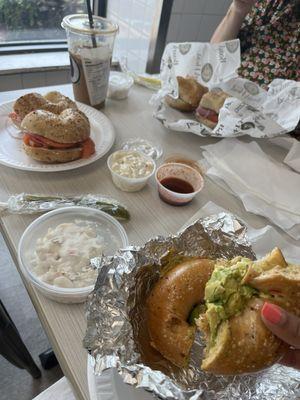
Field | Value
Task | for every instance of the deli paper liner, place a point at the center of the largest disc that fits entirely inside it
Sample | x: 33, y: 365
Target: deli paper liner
x: 116, y: 336
x: 251, y: 110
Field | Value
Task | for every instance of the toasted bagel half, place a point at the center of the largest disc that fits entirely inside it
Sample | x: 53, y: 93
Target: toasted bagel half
x: 71, y: 126
x: 190, y: 93
x: 52, y: 156
x: 169, y: 305
x: 243, y: 343
x: 54, y: 102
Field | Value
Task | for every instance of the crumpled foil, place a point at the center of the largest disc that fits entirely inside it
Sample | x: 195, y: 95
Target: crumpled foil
x: 116, y: 336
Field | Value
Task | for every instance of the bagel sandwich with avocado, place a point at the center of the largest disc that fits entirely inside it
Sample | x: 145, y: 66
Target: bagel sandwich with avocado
x: 237, y: 341
x: 223, y: 299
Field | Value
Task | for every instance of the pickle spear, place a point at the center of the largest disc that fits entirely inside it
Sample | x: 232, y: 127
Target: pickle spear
x: 31, y: 203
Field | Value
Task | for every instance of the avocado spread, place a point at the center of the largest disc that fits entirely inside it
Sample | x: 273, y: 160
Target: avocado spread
x: 225, y: 296
x: 195, y: 313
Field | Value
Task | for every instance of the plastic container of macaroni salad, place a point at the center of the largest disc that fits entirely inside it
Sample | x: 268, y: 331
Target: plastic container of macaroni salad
x: 108, y: 229
x: 130, y: 170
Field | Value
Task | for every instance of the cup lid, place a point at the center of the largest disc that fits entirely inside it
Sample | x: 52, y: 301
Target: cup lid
x: 120, y: 80
x: 79, y: 23
x: 144, y: 146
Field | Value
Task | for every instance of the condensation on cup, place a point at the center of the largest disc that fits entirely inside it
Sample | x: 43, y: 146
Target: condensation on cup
x: 90, y: 53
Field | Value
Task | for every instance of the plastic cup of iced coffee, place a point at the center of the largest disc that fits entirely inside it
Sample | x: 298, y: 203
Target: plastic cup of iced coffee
x: 90, y: 51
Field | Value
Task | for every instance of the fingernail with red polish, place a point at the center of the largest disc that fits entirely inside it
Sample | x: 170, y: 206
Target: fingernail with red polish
x: 273, y: 314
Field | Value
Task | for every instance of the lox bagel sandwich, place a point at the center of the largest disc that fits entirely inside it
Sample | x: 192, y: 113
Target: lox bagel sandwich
x: 209, y: 107
x: 55, y: 138
x: 53, y: 101
x: 190, y: 93
x: 237, y: 341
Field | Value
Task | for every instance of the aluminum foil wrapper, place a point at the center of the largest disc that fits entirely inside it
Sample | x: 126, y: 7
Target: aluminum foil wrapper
x: 24, y: 203
x: 117, y: 338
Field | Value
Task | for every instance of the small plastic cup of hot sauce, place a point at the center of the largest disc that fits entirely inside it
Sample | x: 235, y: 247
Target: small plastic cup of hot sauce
x: 178, y: 183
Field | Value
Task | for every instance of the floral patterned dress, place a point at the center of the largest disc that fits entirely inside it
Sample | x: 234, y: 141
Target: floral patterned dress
x: 270, y: 42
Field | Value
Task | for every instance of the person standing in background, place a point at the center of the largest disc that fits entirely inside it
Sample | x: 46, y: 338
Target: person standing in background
x: 269, y: 32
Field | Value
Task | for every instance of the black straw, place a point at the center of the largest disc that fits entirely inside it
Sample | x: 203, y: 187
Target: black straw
x: 91, y: 21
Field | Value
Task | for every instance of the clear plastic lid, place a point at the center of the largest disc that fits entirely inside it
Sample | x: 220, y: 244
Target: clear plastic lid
x: 79, y: 23
x: 144, y: 146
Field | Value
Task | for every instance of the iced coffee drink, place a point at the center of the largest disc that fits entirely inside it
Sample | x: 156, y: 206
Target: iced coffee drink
x: 90, y: 53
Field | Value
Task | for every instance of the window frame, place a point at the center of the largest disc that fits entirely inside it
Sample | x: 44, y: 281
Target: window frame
x: 99, y: 7
x: 158, y: 36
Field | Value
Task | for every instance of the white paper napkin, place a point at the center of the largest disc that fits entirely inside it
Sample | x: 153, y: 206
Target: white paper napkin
x: 251, y: 202
x: 60, y: 390
x: 292, y: 158
x: 262, y: 240
x: 264, y: 186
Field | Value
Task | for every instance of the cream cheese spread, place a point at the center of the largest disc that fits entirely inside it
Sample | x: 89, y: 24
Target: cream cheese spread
x: 131, y: 164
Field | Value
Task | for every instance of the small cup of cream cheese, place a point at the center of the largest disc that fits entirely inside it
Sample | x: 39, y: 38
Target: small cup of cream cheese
x: 130, y: 170
x: 119, y: 85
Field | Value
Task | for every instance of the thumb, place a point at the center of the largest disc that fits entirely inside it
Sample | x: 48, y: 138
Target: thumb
x: 283, y: 324
x: 291, y: 359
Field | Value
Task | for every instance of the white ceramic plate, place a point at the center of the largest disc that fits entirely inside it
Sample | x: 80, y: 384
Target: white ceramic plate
x: 12, y: 154
x: 110, y: 386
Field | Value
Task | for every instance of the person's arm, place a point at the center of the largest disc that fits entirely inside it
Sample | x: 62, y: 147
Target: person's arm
x: 232, y: 22
x: 287, y: 327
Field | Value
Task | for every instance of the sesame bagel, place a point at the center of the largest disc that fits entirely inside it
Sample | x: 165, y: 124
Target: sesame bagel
x: 57, y: 102
x: 237, y: 340
x: 169, y: 304
x: 27, y: 103
x: 234, y: 291
x: 54, y: 102
x: 243, y: 344
x: 51, y: 156
x: 52, y: 138
x: 70, y: 126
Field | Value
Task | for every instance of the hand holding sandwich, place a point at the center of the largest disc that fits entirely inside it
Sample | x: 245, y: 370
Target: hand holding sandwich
x: 287, y: 327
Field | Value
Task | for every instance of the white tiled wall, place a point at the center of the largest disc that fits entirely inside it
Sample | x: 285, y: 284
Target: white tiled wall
x: 195, y: 20
x: 135, y: 19
x: 33, y: 79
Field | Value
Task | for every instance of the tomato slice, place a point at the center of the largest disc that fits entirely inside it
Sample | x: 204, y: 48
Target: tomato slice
x: 88, y: 148
x: 26, y: 139
x: 208, y: 114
